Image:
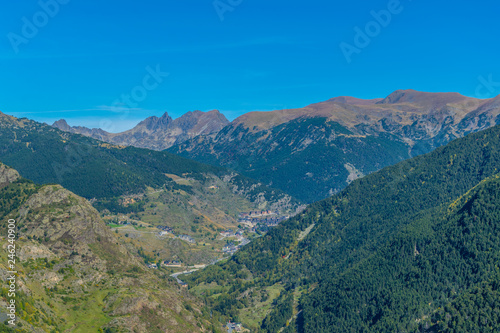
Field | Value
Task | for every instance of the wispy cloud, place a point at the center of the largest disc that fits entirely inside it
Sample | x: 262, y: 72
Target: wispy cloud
x: 175, y: 49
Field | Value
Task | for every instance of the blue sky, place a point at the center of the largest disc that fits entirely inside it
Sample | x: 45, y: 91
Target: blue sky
x: 242, y: 56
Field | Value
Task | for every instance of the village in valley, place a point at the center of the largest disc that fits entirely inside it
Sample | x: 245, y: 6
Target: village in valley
x: 261, y: 220
x: 250, y: 224
x: 176, y: 243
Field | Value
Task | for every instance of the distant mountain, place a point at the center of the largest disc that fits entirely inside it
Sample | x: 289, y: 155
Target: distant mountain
x: 413, y: 247
x: 74, y: 276
x: 157, y: 133
x: 316, y: 151
x: 95, y: 169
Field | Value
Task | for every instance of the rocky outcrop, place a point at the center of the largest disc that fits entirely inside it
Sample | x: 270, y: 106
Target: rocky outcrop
x: 68, y: 261
x: 74, y: 219
x: 7, y: 175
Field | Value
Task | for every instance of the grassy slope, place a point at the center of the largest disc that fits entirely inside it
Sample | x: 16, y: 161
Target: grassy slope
x: 77, y: 277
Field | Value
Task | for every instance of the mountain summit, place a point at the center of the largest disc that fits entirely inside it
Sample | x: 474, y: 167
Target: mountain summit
x: 157, y: 133
x: 423, y: 98
x: 315, y: 151
x: 154, y: 123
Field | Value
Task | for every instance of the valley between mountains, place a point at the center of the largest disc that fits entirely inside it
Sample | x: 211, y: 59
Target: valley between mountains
x: 347, y: 215
x: 315, y: 151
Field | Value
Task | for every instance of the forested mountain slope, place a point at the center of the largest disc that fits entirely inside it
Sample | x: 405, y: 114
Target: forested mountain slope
x: 407, y: 285
x: 94, y: 169
x: 352, y: 229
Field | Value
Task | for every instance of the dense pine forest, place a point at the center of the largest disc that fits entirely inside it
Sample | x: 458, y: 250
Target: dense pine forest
x: 408, y: 284
x: 286, y: 156
x: 94, y: 169
x: 408, y: 249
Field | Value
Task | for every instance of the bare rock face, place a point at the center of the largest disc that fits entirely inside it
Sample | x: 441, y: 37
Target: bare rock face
x: 68, y: 225
x: 157, y: 133
x: 75, y: 219
x: 7, y: 175
x: 62, y: 125
x: 33, y: 251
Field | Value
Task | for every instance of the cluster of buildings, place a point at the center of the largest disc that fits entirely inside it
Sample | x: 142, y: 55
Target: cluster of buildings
x: 273, y: 221
x: 171, y: 263
x: 230, y: 233
x: 166, y: 263
x: 187, y: 238
x: 230, y: 248
x: 233, y: 327
x: 164, y: 230
x: 261, y: 220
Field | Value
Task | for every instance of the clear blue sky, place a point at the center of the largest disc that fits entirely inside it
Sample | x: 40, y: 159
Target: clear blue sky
x: 263, y: 55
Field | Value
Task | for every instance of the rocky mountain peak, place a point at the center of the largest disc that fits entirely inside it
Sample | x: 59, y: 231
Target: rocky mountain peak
x: 203, y: 122
x: 157, y: 132
x: 62, y: 125
x: 154, y: 123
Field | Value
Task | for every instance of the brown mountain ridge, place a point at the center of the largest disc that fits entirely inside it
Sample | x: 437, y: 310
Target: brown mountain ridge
x: 314, y: 151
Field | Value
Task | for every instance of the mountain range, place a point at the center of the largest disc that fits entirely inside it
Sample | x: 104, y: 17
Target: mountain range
x: 413, y: 247
x: 137, y: 190
x: 157, y: 133
x: 316, y: 151
x: 94, y: 169
x: 408, y: 247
